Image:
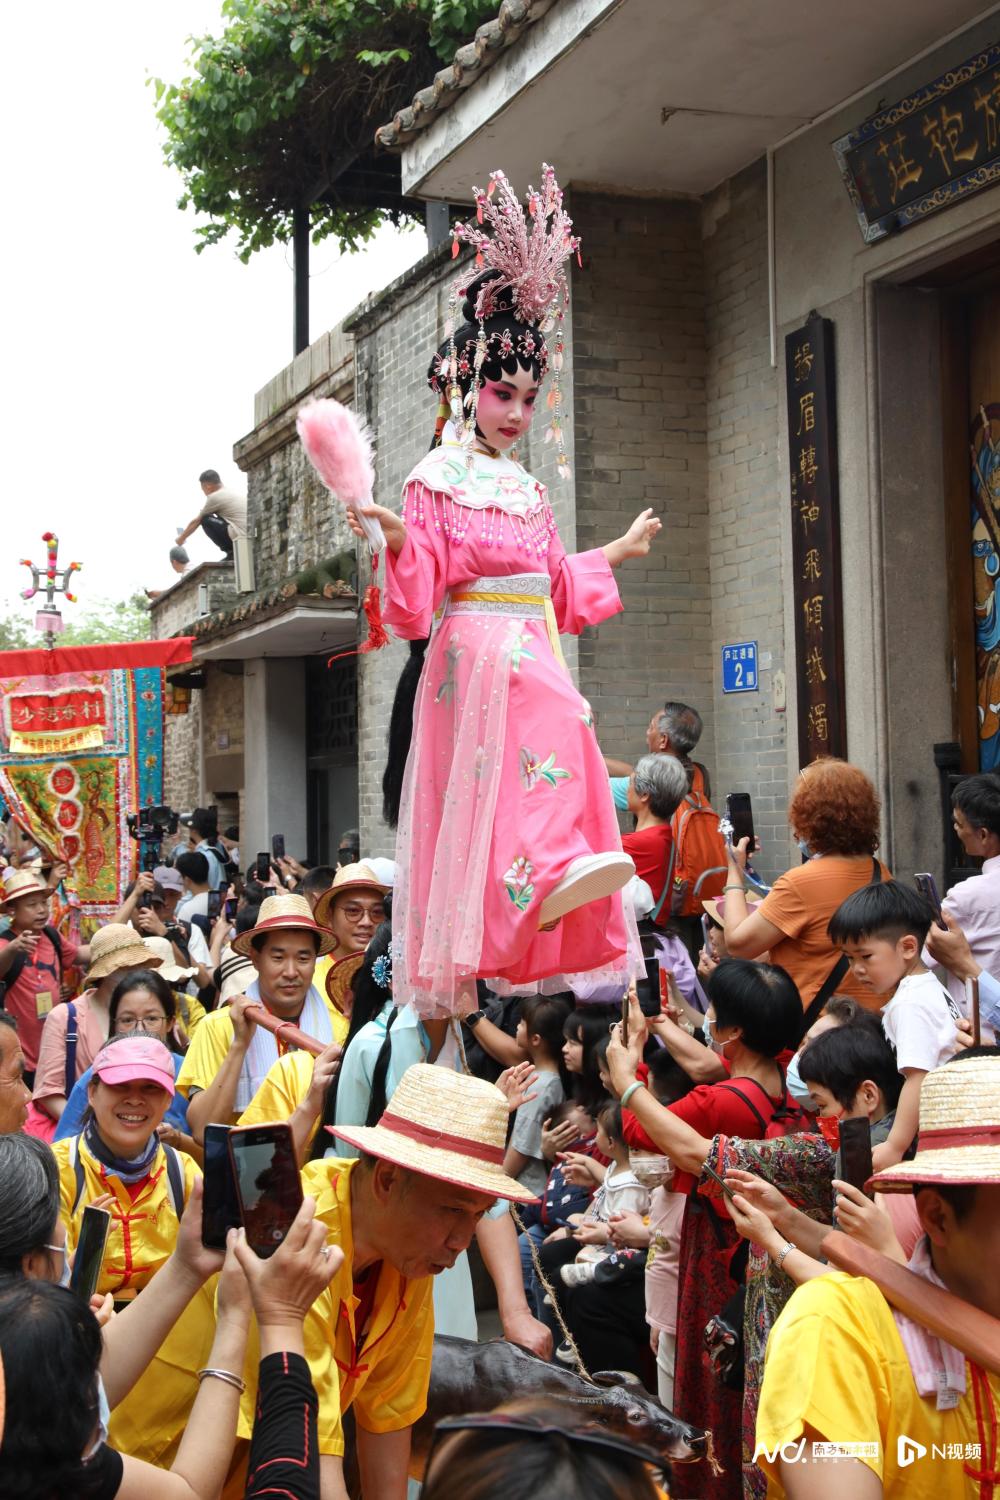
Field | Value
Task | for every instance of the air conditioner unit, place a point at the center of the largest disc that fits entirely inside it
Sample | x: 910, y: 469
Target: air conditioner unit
x: 243, y: 559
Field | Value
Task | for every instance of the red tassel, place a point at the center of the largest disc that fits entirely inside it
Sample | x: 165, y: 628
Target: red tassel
x: 378, y: 636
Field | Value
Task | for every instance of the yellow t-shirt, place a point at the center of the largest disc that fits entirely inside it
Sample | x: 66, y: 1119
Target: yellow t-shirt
x: 283, y: 1090
x: 212, y: 1041
x: 836, y: 1364
x: 143, y: 1229
x: 386, y: 1382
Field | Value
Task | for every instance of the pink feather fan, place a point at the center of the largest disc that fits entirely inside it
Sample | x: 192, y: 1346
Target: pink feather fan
x: 339, y: 448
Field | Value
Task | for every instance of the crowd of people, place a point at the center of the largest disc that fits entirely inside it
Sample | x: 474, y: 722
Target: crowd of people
x: 650, y: 1195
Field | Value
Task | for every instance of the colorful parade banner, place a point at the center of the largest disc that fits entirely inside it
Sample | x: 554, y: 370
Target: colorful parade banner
x: 81, y: 747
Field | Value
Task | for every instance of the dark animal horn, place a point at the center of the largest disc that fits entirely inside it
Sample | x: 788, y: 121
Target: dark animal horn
x: 617, y: 1377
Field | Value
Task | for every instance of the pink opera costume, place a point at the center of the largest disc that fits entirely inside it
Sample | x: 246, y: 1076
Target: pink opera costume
x: 505, y: 800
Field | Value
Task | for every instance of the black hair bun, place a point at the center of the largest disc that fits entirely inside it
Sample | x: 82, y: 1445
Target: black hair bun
x: 504, y: 303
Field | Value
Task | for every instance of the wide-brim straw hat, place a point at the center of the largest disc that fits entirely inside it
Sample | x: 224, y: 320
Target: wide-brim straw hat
x: 356, y: 877
x: 118, y: 947
x: 23, y: 883
x: 170, y: 969
x: 285, y: 914
x: 445, y: 1125
x: 959, y: 1138
x: 340, y: 978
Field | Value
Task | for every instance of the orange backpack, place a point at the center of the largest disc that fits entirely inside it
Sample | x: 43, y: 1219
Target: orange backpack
x: 697, y: 868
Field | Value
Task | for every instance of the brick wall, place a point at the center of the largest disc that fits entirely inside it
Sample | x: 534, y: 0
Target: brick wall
x: 744, y: 549
x: 182, y: 757
x: 639, y: 399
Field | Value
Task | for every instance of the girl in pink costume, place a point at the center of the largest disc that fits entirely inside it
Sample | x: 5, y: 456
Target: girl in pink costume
x: 506, y: 824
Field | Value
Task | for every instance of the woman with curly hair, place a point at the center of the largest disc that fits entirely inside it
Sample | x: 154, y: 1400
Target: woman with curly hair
x: 834, y: 815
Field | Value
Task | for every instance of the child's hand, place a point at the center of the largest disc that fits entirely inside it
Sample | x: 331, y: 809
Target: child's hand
x: 579, y: 1169
x: 592, y: 1234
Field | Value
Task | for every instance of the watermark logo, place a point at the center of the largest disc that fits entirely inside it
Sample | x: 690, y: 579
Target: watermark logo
x: 908, y: 1451
x: 786, y: 1453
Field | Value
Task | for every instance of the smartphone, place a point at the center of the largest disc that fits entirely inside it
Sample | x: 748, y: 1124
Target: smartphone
x: 214, y: 905
x: 711, y: 1172
x: 268, y: 1185
x: 232, y: 906
x: 220, y: 1210
x: 706, y: 930
x: 856, y: 1153
x: 263, y: 870
x: 739, y: 813
x: 277, y: 847
x: 648, y: 989
x: 625, y: 1005
x: 89, y: 1258
x: 927, y: 886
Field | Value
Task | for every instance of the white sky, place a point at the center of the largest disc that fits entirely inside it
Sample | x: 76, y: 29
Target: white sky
x: 130, y: 363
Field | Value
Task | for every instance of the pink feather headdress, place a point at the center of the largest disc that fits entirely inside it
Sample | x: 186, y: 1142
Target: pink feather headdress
x: 527, y: 252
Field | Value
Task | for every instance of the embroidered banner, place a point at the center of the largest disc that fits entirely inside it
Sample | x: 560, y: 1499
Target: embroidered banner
x: 81, y: 746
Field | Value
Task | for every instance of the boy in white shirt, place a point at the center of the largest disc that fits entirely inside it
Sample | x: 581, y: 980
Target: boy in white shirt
x: 881, y: 930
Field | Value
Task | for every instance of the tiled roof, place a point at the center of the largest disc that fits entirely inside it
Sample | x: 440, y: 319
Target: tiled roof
x: 470, y: 62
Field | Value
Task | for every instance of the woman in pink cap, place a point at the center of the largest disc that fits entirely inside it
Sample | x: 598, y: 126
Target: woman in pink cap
x: 119, y: 1159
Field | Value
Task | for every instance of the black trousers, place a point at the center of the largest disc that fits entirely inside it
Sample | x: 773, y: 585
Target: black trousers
x: 609, y: 1325
x: 217, y: 531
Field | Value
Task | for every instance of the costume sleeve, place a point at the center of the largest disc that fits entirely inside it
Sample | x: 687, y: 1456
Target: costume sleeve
x: 395, y: 1393
x: 416, y: 579
x: 206, y: 1054
x: 284, y: 1457
x: 50, y: 1074
x: 584, y: 591
x: 824, y: 1370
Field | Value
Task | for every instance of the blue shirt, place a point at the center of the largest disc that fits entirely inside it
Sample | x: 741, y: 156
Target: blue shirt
x: 619, y: 792
x: 71, y: 1119
x: 989, y: 1000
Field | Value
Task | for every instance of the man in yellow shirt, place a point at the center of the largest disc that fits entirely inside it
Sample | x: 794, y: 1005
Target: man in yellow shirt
x: 429, y: 1171
x: 229, y: 1055
x: 858, y: 1400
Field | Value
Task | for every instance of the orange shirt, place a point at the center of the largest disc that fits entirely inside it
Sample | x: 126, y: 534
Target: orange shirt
x: 800, y: 905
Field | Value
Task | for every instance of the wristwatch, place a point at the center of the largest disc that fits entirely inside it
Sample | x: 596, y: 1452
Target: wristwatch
x: 473, y: 1019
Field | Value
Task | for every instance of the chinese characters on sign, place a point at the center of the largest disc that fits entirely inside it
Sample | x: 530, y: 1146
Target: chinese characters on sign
x: 927, y: 151
x: 43, y: 723
x: 739, y: 668
x: 819, y: 637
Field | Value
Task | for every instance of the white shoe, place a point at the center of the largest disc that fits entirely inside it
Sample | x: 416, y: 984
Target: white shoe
x: 578, y: 1274
x: 592, y: 877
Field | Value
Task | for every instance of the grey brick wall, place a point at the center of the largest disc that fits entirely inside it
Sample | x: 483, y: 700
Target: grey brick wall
x: 744, y: 499
x: 639, y: 398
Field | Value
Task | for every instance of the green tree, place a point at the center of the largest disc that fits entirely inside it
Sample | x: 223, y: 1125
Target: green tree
x: 16, y: 633
x: 101, y: 621
x: 289, y: 95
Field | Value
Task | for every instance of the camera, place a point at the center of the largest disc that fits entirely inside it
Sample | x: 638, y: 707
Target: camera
x: 149, y: 827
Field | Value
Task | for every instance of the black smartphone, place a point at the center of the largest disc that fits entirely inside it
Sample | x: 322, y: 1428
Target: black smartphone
x: 214, y: 905
x: 277, y: 847
x: 625, y: 1005
x: 89, y: 1258
x: 220, y: 1210
x: 267, y: 1183
x: 232, y: 906
x: 648, y: 989
x: 927, y: 886
x: 263, y: 870
x: 856, y: 1152
x: 739, y: 813
x: 719, y: 1182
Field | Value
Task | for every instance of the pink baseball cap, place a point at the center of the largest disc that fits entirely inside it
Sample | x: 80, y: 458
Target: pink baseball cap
x: 132, y: 1059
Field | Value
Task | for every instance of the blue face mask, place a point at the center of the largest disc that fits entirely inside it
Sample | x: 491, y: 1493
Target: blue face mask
x: 708, y: 1032
x: 798, y: 1090
x: 804, y: 849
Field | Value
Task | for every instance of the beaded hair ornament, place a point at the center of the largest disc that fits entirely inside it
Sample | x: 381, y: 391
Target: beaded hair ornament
x: 382, y: 971
x: 527, y: 252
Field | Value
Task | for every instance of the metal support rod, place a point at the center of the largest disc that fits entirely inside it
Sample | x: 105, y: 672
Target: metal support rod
x: 300, y: 248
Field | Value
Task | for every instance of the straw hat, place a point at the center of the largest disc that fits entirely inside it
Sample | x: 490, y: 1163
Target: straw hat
x: 340, y: 977
x: 445, y: 1125
x: 170, y: 969
x: 715, y: 907
x: 284, y: 914
x: 117, y: 947
x: 959, y: 1138
x: 359, y: 877
x: 23, y: 883
x: 235, y: 973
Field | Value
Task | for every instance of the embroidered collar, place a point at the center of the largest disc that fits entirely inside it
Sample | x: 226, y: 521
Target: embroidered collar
x: 477, y: 481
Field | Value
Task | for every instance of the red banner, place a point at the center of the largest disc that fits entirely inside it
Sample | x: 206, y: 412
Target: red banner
x: 53, y: 713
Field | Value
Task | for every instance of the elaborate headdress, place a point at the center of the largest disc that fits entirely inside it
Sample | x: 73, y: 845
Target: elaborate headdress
x: 523, y: 256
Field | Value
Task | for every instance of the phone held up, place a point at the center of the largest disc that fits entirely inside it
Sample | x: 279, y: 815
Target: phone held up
x: 719, y: 1182
x: 927, y: 886
x: 86, y: 1272
x: 268, y: 1185
x: 277, y: 847
x: 263, y: 868
x: 739, y: 813
x: 213, y: 906
x: 220, y: 1206
x: 856, y: 1152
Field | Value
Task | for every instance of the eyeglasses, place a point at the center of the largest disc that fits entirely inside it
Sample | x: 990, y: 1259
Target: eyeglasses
x: 355, y: 913
x: 140, y: 1023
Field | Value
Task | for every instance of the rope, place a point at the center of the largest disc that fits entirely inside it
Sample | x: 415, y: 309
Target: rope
x: 543, y: 1280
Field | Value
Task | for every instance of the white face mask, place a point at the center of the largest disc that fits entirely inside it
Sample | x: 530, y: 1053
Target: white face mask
x: 651, y: 1171
x: 103, y: 1418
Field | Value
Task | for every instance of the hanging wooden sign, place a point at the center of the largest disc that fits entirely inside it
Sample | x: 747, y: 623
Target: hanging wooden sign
x: 810, y: 383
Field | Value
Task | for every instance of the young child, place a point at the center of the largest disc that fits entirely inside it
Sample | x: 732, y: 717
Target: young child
x: 540, y: 1033
x: 561, y: 1199
x: 620, y: 1193
x: 881, y: 929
